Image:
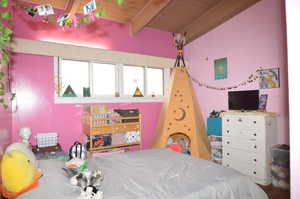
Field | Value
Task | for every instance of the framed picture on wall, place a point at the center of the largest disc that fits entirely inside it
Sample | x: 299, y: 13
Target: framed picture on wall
x: 220, y: 68
x: 263, y: 102
x: 269, y: 78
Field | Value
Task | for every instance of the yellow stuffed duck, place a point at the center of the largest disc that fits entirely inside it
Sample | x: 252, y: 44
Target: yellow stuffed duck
x: 18, y: 170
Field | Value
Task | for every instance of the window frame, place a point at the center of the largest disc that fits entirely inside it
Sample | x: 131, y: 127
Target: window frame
x: 119, y: 86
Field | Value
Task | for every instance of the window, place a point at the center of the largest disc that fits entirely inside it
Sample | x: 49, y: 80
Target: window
x: 104, y: 79
x: 74, y: 73
x: 108, y: 82
x: 133, y: 77
x: 155, y: 79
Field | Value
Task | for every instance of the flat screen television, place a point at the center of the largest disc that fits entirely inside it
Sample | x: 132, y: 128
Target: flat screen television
x: 243, y: 100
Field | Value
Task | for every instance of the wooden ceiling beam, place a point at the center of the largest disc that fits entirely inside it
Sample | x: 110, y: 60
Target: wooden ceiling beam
x: 69, y: 5
x: 149, y: 11
x: 215, y: 16
x: 72, y: 7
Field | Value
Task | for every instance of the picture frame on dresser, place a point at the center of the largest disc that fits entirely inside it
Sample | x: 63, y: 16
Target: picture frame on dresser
x: 262, y: 102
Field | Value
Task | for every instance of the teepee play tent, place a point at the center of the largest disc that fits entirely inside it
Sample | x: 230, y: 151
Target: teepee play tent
x: 181, y: 120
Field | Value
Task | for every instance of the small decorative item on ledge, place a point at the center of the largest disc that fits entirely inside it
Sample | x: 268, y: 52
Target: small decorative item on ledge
x: 138, y: 93
x: 86, y: 92
x: 69, y: 92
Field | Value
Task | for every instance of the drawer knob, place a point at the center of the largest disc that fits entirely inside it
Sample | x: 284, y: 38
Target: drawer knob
x: 255, y: 146
x: 227, y: 165
x: 227, y: 131
x: 254, y: 134
x: 254, y: 122
x: 255, y: 160
x: 228, y: 142
x: 239, y: 119
x: 227, y: 153
x: 227, y: 120
x: 254, y: 172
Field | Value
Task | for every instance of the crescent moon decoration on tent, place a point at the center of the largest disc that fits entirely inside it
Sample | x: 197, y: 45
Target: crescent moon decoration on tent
x: 181, y: 119
x: 182, y: 116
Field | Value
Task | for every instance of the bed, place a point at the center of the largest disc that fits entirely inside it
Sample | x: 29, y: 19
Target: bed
x: 150, y: 174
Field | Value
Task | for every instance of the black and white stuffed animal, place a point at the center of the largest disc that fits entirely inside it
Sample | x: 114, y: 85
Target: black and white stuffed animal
x: 77, y: 150
x: 90, y: 182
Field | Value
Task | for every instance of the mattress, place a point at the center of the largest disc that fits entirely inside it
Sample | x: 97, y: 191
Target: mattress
x: 150, y: 174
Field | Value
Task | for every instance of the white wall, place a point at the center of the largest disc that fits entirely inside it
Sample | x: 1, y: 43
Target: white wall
x: 293, y: 34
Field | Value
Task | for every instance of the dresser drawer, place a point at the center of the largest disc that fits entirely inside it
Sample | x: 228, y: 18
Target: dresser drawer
x: 245, y: 121
x: 247, y: 145
x: 244, y: 156
x: 246, y: 169
x: 244, y: 133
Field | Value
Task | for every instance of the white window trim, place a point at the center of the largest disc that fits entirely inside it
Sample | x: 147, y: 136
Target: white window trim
x: 109, y: 99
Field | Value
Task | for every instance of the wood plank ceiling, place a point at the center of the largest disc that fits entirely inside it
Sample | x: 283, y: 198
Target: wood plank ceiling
x: 196, y: 17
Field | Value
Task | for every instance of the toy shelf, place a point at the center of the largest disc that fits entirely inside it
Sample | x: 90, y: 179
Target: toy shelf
x: 97, y: 126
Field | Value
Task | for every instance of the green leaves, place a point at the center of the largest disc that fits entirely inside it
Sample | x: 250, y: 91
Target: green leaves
x: 5, y: 106
x: 101, y: 13
x: 5, y: 59
x: 85, y: 20
x: 13, y: 96
x: 6, y: 15
x: 4, y: 3
x: 5, y: 39
x: 1, y: 75
x: 49, y: 19
x: 2, y: 86
x: 120, y: 2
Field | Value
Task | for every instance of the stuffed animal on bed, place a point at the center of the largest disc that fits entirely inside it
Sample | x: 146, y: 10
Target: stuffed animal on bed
x: 18, y: 170
x: 89, y: 181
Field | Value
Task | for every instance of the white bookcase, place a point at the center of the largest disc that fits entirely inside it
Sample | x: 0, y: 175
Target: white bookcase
x: 247, y: 141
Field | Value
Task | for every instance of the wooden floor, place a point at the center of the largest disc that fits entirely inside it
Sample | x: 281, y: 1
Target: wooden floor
x: 276, y: 193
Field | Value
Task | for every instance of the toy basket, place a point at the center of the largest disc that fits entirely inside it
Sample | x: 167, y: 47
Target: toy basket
x: 280, y: 166
x: 216, y: 148
x: 46, y: 139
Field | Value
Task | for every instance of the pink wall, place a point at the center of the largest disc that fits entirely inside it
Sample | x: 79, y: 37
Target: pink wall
x: 103, y: 33
x: 5, y: 123
x: 33, y: 76
x: 255, y: 38
x: 35, y: 104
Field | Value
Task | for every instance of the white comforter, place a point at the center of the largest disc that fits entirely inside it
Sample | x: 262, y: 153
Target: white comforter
x: 151, y: 174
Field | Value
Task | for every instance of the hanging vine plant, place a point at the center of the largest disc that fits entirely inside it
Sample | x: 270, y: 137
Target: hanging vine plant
x: 6, y: 33
x: 6, y: 36
x: 64, y: 20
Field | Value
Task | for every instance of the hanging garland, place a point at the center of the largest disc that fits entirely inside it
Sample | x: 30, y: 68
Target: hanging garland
x: 251, y: 79
x: 47, y: 14
x: 6, y: 34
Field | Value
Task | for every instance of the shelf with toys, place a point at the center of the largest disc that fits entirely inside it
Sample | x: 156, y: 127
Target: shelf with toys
x: 110, y: 129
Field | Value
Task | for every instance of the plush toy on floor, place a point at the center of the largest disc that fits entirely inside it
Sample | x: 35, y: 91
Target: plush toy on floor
x: 18, y: 170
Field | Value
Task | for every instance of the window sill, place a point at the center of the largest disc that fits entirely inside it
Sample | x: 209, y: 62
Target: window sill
x: 85, y: 100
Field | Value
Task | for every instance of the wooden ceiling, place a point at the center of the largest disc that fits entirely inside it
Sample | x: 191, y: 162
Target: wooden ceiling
x: 196, y: 17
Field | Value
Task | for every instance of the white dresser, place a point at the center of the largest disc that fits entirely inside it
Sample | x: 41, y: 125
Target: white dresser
x: 247, y: 141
